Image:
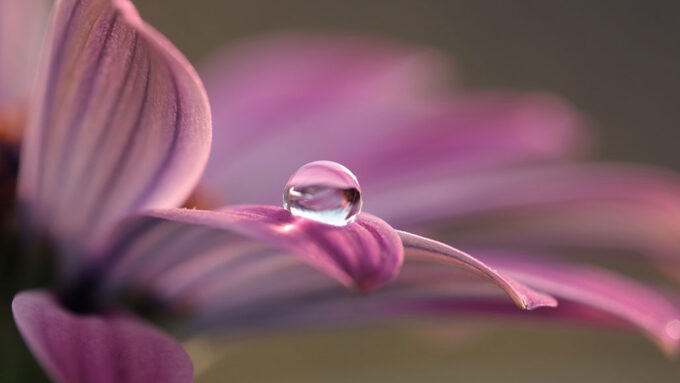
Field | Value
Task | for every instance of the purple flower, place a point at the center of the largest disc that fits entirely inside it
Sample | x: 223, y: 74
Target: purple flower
x: 118, y: 134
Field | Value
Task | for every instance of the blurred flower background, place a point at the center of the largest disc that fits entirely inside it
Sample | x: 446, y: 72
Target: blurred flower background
x: 614, y: 62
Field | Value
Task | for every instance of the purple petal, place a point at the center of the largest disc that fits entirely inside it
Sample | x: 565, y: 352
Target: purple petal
x: 651, y: 311
x: 97, y: 348
x: 122, y: 122
x: 171, y: 251
x: 425, y: 248
x: 586, y: 295
x: 275, y: 113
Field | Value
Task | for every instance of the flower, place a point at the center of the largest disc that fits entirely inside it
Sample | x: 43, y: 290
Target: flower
x: 501, y: 175
x: 118, y: 134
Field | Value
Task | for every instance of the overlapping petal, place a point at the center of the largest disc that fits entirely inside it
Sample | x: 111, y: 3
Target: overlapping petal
x: 425, y: 248
x: 250, y: 265
x: 362, y: 255
x: 97, y: 348
x: 586, y: 295
x: 298, y: 100
x: 121, y: 123
x: 653, y: 312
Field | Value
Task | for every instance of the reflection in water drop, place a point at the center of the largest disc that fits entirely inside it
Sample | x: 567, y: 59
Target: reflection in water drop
x: 323, y: 191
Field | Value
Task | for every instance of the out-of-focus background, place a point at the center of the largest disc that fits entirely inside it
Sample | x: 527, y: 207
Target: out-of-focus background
x: 617, y: 61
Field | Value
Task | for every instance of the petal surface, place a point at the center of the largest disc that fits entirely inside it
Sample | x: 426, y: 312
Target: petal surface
x: 171, y: 251
x: 97, y: 348
x: 425, y: 248
x: 586, y: 295
x: 234, y: 267
x: 354, y: 101
x: 121, y: 122
x: 654, y: 313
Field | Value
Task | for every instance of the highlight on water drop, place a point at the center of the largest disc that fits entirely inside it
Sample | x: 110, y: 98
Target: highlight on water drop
x: 323, y: 191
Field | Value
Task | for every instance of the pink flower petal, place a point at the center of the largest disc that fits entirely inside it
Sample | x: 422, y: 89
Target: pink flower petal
x: 586, y: 295
x: 122, y: 122
x: 641, y: 306
x: 425, y: 248
x: 97, y: 348
x: 280, y: 104
x: 232, y: 267
x: 168, y: 250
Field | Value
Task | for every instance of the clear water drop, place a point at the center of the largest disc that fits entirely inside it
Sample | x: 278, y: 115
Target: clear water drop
x: 323, y: 191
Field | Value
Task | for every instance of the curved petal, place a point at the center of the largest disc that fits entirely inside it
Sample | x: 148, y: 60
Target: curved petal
x: 425, y: 248
x: 234, y: 267
x: 283, y: 103
x: 97, y: 348
x: 22, y: 24
x: 586, y: 295
x: 191, y: 244
x: 122, y: 122
x: 596, y: 289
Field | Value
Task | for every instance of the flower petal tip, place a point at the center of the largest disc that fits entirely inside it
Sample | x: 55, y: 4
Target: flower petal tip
x: 97, y: 348
x: 427, y: 249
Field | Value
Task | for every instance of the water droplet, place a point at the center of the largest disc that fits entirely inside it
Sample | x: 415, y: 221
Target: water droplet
x: 323, y: 191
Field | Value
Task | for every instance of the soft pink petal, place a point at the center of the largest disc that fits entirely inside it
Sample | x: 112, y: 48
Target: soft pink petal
x: 235, y: 267
x: 97, y: 348
x: 651, y: 311
x: 122, y: 122
x: 425, y: 248
x: 280, y: 104
x: 167, y: 250
x: 586, y: 295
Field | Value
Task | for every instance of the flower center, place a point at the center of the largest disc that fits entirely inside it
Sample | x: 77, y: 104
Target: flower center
x: 325, y: 192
